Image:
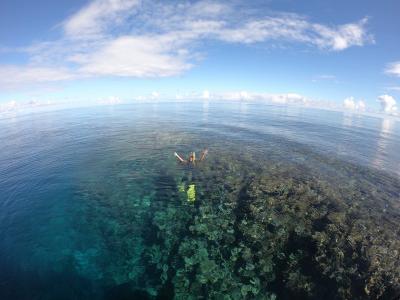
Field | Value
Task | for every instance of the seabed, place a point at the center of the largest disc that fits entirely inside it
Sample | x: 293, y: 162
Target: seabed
x: 252, y: 227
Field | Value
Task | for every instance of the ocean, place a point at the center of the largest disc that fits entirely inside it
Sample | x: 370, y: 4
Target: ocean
x: 289, y: 203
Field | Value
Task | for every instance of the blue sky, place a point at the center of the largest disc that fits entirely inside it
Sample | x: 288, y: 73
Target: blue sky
x: 344, y: 53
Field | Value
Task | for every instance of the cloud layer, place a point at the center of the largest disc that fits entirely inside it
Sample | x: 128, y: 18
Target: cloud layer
x: 388, y: 104
x: 351, y: 104
x: 393, y: 69
x: 156, y: 39
x: 97, y: 17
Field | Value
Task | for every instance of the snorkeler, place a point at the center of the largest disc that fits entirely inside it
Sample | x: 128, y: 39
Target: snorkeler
x: 192, y: 157
x: 191, y: 161
x: 190, y: 190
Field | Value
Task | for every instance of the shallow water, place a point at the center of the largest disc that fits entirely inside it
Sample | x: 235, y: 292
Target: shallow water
x: 290, y: 203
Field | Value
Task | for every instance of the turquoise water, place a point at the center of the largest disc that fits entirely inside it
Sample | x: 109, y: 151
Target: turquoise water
x: 289, y: 203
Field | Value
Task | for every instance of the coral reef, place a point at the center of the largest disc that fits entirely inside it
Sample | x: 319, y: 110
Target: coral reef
x: 241, y: 226
x: 279, y: 231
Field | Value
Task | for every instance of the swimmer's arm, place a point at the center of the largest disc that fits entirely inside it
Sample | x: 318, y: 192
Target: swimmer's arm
x: 203, y: 154
x: 180, y: 158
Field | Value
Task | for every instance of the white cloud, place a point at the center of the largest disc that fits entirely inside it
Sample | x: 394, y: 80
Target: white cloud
x: 97, y: 17
x: 289, y: 98
x: 205, y: 95
x: 295, y: 28
x: 8, y: 106
x: 233, y: 96
x: 243, y: 95
x: 351, y: 104
x: 394, y: 88
x: 12, y: 75
x: 361, y: 105
x: 136, y: 57
x: 15, y: 106
x: 393, y: 69
x: 388, y: 104
x: 141, y: 38
x: 155, y: 95
x: 112, y: 100
x: 343, y: 36
x: 327, y: 77
x: 208, y: 8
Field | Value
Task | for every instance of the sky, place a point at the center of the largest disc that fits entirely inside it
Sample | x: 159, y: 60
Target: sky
x: 327, y: 53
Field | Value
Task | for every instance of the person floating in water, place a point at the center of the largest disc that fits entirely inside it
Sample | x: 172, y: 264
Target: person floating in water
x: 192, y: 157
x: 191, y: 190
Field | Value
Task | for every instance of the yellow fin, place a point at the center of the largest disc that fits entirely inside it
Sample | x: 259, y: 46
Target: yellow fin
x: 191, y: 193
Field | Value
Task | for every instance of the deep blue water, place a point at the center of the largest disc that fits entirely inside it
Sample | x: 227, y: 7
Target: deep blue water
x: 65, y: 173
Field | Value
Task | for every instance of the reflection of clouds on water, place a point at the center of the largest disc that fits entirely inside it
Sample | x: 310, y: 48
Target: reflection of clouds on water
x: 243, y: 110
x: 387, y: 126
x: 382, y: 144
x: 243, y: 107
x: 347, y: 119
x: 343, y: 147
x: 154, y: 108
x: 351, y: 119
x: 206, y: 106
x: 294, y: 112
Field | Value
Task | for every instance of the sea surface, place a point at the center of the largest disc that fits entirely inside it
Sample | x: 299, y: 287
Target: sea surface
x: 289, y: 203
